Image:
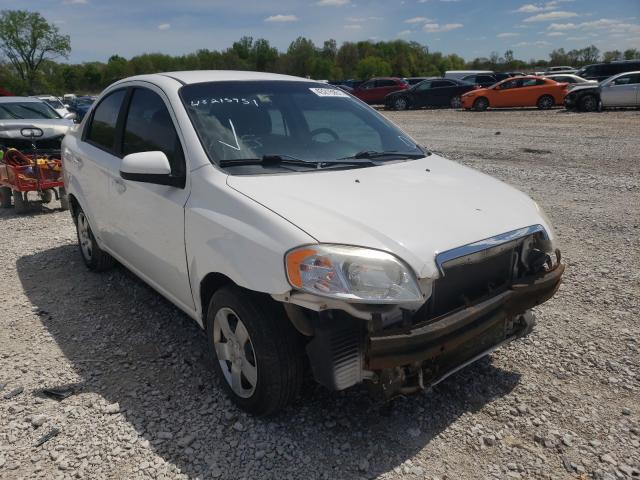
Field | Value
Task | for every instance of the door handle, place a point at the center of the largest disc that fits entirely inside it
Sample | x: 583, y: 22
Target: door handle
x: 119, y: 184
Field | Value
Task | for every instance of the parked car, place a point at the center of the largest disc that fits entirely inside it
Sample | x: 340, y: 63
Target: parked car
x: 375, y: 90
x: 415, y: 80
x: 351, y: 83
x: 529, y: 91
x: 27, y: 123
x: 429, y: 93
x: 256, y: 203
x: 80, y: 106
x: 602, y: 71
x: 572, y: 80
x: 460, y: 74
x: 55, y: 103
x: 621, y: 90
x: 559, y: 69
x: 482, y: 79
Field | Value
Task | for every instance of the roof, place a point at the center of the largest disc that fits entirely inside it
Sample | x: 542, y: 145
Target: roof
x: 19, y: 99
x: 199, y: 76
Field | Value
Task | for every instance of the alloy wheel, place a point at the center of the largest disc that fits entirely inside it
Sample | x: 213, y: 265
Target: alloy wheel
x: 84, y: 236
x: 235, y: 352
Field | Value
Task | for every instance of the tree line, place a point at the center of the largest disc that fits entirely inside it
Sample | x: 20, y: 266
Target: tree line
x: 32, y: 48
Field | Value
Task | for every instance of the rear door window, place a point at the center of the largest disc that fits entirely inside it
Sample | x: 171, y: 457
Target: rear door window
x: 485, y: 79
x: 149, y: 127
x: 385, y: 83
x: 101, y: 131
x: 530, y: 82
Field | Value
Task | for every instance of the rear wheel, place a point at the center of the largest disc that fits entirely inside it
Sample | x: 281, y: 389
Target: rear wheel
x: 589, y: 103
x: 400, y: 103
x: 258, y: 353
x: 456, y: 102
x: 545, y: 102
x: 5, y: 197
x: 46, y: 196
x: 481, y: 104
x: 94, y: 257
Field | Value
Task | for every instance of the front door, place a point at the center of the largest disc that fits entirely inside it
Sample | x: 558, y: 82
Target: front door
x: 148, y: 228
x: 621, y: 92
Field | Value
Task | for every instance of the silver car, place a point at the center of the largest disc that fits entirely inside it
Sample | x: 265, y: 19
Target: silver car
x: 622, y: 90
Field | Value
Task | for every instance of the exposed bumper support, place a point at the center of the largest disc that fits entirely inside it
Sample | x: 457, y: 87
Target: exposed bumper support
x: 453, y: 340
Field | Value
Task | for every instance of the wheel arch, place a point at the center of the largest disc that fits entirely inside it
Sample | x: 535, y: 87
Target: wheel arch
x: 210, y: 284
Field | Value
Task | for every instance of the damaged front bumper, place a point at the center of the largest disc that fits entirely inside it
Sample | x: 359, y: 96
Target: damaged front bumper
x: 401, y: 360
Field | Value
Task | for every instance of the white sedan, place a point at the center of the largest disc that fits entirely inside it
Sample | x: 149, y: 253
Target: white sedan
x: 291, y: 220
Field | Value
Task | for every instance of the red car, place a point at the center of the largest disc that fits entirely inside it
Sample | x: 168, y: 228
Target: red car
x: 375, y: 90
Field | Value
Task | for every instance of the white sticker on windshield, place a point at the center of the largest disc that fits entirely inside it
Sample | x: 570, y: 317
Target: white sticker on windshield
x: 329, y: 92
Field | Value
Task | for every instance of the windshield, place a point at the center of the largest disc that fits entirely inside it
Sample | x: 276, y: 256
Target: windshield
x: 26, y: 110
x: 302, y: 120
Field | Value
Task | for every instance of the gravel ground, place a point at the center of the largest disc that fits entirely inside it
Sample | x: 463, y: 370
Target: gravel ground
x: 562, y: 403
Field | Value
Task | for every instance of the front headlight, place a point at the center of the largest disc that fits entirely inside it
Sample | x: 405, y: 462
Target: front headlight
x: 351, y: 273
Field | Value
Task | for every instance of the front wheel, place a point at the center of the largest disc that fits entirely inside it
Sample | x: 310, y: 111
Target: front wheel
x: 94, y: 257
x: 589, y: 103
x: 456, y: 102
x: 481, y: 104
x: 545, y: 102
x: 5, y: 197
x: 400, y: 103
x: 258, y: 353
x: 20, y: 202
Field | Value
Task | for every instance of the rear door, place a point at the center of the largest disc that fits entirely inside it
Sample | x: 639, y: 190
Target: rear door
x: 622, y: 92
x: 421, y: 94
x: 148, y: 224
x: 383, y: 88
x: 366, y: 91
x: 91, y: 160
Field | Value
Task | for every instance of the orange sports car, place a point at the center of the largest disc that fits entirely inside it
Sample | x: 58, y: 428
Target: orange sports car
x: 529, y: 91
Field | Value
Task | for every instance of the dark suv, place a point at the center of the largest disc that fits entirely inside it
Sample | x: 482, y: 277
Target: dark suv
x: 602, y: 71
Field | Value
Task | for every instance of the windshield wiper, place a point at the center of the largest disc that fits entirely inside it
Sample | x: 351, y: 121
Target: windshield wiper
x: 391, y: 154
x: 289, y: 160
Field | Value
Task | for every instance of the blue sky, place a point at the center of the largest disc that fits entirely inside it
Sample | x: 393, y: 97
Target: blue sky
x: 471, y: 28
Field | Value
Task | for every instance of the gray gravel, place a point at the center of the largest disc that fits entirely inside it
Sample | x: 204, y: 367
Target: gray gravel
x: 143, y: 402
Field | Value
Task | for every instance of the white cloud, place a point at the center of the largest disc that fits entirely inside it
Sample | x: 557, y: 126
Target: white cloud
x: 555, y: 34
x: 75, y: 2
x: 353, y: 26
x: 507, y: 35
x: 332, y: 3
x: 613, y: 26
x: 404, y: 33
x: 281, y: 18
x: 576, y: 39
x: 164, y: 26
x: 538, y: 43
x: 362, y: 19
x: 436, y: 27
x: 544, y: 17
x: 417, y: 20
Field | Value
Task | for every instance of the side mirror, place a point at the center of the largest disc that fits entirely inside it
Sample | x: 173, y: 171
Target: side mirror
x: 66, y: 105
x: 70, y: 116
x: 149, y: 167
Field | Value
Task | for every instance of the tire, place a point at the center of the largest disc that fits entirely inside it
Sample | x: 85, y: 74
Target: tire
x: 64, y: 198
x: 400, y: 103
x: 589, y: 103
x: 481, y: 104
x: 268, y: 349
x: 456, y: 102
x: 46, y: 196
x: 20, y: 203
x: 94, y: 257
x: 545, y: 102
x: 5, y: 197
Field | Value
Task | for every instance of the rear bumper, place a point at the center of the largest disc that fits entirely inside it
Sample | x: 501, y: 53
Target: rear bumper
x: 444, y: 344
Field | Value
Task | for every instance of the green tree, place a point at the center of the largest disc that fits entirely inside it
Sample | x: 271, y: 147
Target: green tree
x: 631, y: 54
x: 27, y: 40
x: 373, y: 67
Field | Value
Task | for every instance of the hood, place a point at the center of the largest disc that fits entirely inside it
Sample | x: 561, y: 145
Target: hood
x: 54, y: 127
x: 413, y: 209
x: 585, y: 86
